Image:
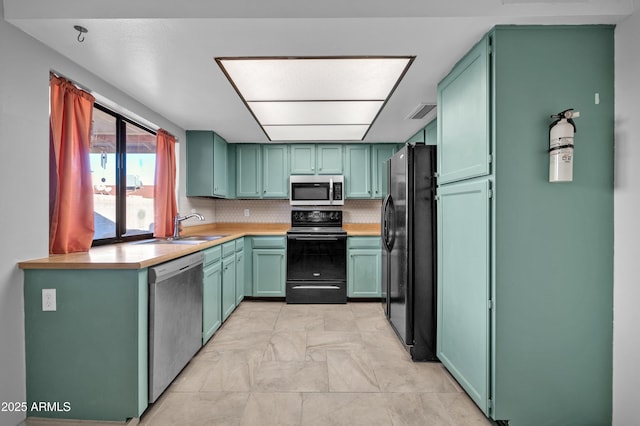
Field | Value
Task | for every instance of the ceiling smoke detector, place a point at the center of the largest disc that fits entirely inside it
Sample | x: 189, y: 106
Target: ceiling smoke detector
x: 421, y: 111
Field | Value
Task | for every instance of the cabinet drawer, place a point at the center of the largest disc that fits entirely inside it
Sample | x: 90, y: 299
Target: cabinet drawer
x: 212, y: 254
x: 269, y: 242
x: 240, y: 244
x: 228, y: 248
x: 363, y: 243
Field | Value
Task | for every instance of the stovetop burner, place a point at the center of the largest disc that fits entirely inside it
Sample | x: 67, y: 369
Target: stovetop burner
x: 321, y: 230
x: 316, y: 221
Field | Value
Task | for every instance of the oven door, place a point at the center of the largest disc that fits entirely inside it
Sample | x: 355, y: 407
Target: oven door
x: 313, y: 257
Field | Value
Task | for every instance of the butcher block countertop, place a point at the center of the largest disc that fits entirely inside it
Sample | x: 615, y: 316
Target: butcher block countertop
x: 134, y: 255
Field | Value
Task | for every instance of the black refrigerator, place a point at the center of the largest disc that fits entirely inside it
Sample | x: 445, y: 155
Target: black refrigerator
x: 409, y: 249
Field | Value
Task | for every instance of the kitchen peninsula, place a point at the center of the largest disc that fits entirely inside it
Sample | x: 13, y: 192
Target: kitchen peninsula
x: 92, y: 351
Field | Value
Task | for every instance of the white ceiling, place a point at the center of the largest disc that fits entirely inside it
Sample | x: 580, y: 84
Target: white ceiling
x: 161, y: 52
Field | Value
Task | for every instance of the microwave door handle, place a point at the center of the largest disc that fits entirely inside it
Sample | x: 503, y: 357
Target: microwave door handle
x: 331, y: 189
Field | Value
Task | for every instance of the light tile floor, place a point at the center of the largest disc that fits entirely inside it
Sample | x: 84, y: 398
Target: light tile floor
x: 277, y: 364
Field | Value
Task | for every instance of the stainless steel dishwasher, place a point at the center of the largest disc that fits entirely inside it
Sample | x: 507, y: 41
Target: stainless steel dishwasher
x: 175, y: 319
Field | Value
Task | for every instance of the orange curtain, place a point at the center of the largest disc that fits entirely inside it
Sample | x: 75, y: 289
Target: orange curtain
x: 71, y: 188
x: 165, y: 206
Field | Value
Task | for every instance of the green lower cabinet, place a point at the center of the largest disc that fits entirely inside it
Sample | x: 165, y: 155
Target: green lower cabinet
x: 269, y: 272
x: 364, y: 267
x: 228, y: 286
x: 239, y: 277
x: 91, y: 352
x: 211, y: 300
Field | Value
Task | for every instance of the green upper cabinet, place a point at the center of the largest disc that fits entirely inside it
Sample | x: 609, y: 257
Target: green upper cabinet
x: 248, y: 171
x: 207, y: 161
x: 463, y: 118
x: 321, y: 159
x: 431, y: 133
x: 262, y: 171
x: 358, y: 171
x: 303, y: 159
x: 379, y: 156
x: 329, y: 159
x: 275, y: 171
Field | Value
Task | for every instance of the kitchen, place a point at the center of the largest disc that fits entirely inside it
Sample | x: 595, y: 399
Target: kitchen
x: 28, y: 242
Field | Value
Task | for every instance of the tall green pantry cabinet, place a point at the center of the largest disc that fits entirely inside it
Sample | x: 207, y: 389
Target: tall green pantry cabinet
x: 525, y: 278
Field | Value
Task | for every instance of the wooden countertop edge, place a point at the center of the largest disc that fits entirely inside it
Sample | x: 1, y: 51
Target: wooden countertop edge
x: 141, y: 256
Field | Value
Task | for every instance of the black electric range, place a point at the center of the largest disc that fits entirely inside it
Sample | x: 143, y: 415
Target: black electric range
x: 316, y: 257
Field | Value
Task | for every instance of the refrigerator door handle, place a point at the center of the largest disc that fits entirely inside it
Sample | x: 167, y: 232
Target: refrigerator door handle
x: 388, y: 221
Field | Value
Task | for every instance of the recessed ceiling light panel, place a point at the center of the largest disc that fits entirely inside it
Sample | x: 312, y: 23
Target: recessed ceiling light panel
x: 326, y: 91
x: 316, y: 133
x: 306, y: 112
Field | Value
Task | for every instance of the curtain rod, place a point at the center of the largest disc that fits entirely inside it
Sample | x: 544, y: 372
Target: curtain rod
x: 112, y: 105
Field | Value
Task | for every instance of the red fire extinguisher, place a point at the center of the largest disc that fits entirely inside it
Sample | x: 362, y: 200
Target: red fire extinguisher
x: 561, y: 133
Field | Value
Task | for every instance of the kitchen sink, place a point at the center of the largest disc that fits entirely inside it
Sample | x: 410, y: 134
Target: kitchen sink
x: 191, y: 239
x: 202, y: 237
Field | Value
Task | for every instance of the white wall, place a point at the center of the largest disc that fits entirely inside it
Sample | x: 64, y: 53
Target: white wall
x: 626, y: 330
x: 24, y: 152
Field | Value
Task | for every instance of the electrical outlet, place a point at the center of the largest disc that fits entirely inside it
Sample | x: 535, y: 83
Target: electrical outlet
x: 247, y: 213
x: 48, y: 299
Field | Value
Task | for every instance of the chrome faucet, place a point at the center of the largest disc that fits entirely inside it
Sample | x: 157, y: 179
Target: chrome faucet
x: 178, y: 219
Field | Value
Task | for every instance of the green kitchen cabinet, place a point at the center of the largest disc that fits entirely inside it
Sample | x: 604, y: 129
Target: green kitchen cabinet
x: 228, y: 279
x: 240, y: 270
x: 268, y: 266
x: 303, y: 159
x: 211, y: 296
x: 275, y: 178
x: 364, y: 267
x: 91, y: 352
x: 525, y: 266
x: 358, y: 171
x: 379, y: 156
x: 269, y: 272
x: 248, y: 171
x: 329, y: 159
x: 431, y: 133
x: 207, y: 164
x: 463, y: 118
x: 320, y: 159
x: 463, y: 285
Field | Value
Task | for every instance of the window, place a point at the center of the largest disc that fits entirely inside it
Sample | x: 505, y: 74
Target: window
x: 123, y: 161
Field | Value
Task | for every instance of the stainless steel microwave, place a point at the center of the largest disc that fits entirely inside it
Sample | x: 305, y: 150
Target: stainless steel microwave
x: 316, y: 190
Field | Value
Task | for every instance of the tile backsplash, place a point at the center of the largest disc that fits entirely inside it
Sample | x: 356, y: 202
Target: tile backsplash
x: 279, y: 211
